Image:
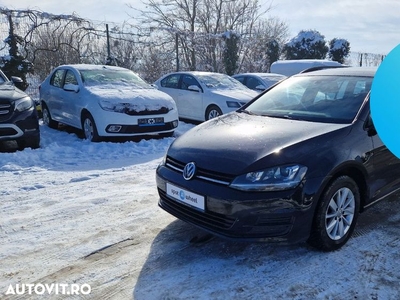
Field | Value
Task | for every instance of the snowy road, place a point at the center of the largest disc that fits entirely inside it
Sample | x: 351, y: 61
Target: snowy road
x: 74, y: 212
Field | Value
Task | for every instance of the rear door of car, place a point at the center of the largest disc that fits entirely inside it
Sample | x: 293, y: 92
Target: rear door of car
x: 170, y: 85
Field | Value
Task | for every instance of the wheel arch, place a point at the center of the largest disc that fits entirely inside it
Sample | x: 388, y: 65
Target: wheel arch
x: 84, y: 112
x: 209, y: 106
x: 355, y: 172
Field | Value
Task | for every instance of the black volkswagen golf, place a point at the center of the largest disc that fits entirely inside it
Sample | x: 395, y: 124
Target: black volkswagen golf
x: 298, y: 163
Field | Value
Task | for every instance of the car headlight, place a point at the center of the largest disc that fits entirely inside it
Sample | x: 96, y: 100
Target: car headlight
x: 233, y: 104
x: 23, y: 104
x: 107, y: 105
x: 271, y: 179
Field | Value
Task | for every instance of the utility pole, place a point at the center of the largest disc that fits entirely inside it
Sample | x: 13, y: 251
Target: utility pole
x: 109, y: 60
x: 177, y: 50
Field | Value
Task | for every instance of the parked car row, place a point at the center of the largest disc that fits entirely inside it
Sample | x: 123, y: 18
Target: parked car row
x: 109, y: 101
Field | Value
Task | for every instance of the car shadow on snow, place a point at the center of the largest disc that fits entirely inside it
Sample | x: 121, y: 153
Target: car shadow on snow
x: 187, y: 263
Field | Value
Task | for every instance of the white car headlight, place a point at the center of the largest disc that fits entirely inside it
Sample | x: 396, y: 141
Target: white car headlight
x: 23, y: 104
x: 271, y: 179
x: 107, y: 105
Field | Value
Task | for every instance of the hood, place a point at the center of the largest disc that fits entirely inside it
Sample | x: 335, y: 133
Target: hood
x: 122, y: 98
x: 9, y: 92
x: 233, y: 143
x: 241, y: 95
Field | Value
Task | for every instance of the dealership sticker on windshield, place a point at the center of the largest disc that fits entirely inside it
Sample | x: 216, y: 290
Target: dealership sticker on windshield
x: 185, y: 196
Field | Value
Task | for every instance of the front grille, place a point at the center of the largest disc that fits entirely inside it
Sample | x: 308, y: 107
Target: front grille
x: 210, y: 220
x: 201, y: 174
x: 132, y: 129
x: 161, y: 111
x: 5, y: 110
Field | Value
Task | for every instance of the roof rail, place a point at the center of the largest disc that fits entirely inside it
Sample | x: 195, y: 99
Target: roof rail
x: 322, y: 68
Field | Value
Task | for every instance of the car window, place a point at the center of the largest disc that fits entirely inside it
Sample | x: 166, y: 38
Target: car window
x: 57, y: 78
x: 220, y: 81
x: 252, y: 83
x: 188, y: 80
x: 331, y: 99
x: 171, y: 81
x: 240, y: 79
x: 121, y: 77
x: 70, y: 78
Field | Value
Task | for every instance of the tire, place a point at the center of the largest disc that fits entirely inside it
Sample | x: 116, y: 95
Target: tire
x: 90, y: 129
x: 336, y: 215
x: 213, y: 112
x: 33, y: 143
x: 46, y: 116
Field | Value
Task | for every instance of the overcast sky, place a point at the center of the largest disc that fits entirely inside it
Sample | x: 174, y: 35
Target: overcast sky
x: 370, y: 26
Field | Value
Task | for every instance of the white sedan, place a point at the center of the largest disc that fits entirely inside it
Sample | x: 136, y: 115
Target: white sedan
x: 201, y: 96
x: 106, y: 101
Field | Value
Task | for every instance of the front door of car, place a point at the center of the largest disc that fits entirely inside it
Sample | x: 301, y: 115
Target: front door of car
x: 386, y: 168
x: 53, y: 96
x: 190, y: 98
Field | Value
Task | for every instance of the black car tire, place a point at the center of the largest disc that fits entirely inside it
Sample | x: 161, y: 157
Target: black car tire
x: 336, y: 215
x: 90, y: 129
x: 33, y: 143
x: 46, y: 116
x: 213, y: 112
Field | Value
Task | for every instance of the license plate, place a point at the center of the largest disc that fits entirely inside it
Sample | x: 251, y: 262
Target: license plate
x: 151, y: 122
x: 186, y: 197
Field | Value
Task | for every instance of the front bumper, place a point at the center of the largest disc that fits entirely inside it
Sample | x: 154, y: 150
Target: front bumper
x: 128, y: 125
x: 284, y: 216
x: 20, y: 126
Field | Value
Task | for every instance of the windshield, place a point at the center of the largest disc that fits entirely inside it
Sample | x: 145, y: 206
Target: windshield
x: 220, y: 81
x: 95, y: 77
x: 328, y: 99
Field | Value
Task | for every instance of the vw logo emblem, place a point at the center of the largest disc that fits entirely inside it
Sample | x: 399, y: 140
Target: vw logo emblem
x: 189, y: 170
x: 151, y: 121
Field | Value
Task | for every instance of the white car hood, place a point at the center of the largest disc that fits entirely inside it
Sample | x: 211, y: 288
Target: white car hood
x: 122, y: 98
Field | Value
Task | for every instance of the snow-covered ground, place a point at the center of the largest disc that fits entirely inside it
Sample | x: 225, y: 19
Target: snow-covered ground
x: 86, y: 214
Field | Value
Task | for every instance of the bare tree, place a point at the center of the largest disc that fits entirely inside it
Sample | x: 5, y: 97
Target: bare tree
x: 195, y: 29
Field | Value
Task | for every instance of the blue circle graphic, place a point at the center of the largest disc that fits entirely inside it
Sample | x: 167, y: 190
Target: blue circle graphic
x: 385, y: 101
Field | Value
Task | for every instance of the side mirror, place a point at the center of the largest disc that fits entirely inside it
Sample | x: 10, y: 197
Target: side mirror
x: 370, y: 127
x: 18, y: 82
x: 260, y: 87
x: 194, y: 88
x: 71, y: 87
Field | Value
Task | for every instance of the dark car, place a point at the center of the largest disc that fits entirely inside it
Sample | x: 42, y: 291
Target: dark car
x: 259, y: 81
x: 18, y: 115
x: 298, y: 163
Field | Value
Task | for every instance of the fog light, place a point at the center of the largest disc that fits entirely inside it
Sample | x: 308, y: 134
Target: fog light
x: 114, y: 128
x: 175, y: 123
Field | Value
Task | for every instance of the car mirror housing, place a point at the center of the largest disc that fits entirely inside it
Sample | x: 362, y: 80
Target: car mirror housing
x: 370, y: 127
x: 71, y: 87
x: 194, y: 88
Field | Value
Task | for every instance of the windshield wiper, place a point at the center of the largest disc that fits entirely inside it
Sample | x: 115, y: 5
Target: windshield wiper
x: 247, y: 112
